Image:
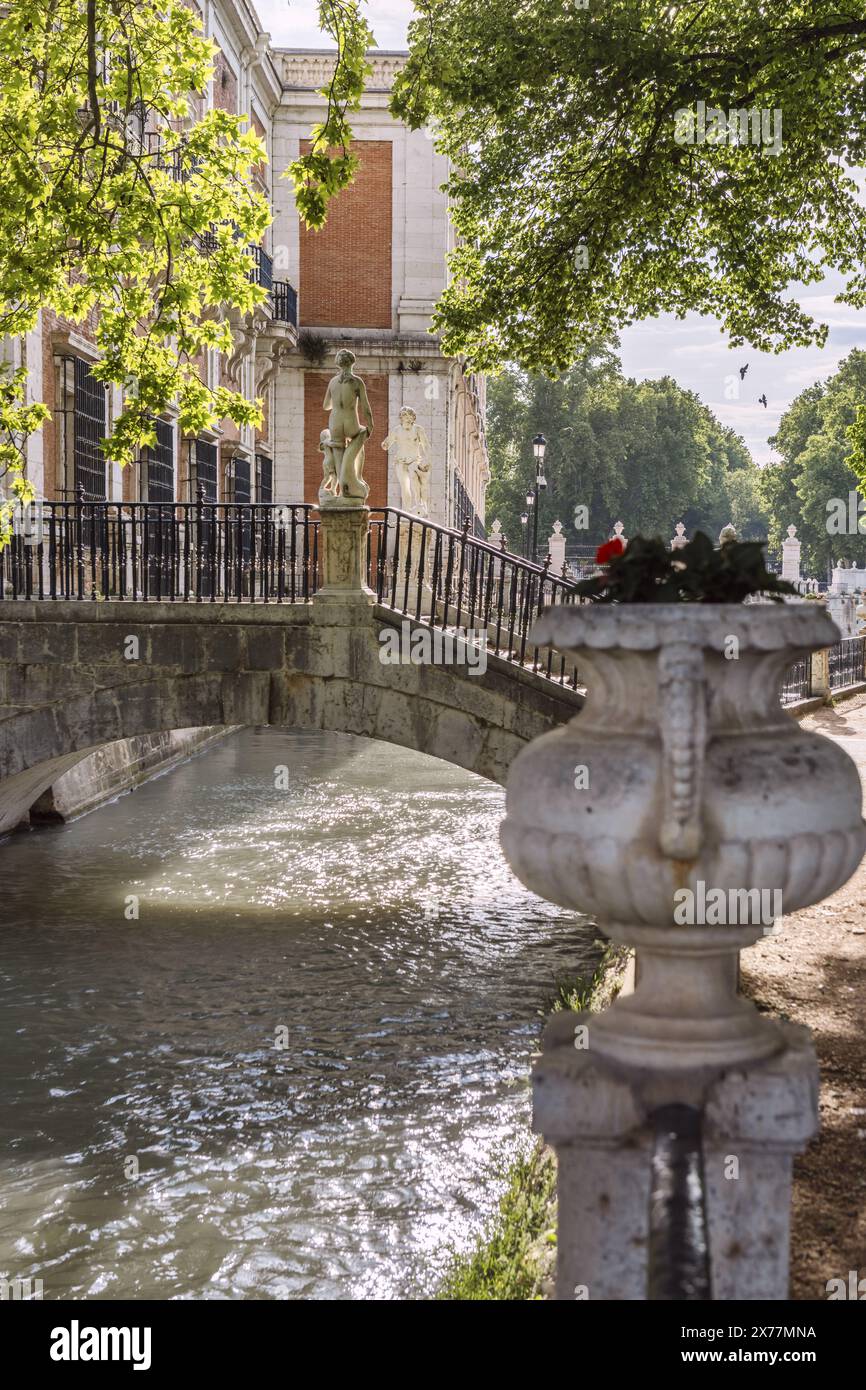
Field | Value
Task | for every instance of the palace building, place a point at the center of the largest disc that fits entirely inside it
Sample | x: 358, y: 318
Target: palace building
x: 368, y: 281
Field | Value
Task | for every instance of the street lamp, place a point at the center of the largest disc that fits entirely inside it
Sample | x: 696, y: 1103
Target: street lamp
x: 539, y: 445
x: 523, y: 521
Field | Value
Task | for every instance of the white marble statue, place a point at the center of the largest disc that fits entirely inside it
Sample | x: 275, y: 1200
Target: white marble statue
x: 411, y: 465
x: 346, y: 399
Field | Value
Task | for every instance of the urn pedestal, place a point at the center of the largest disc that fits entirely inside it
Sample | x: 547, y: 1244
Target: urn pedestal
x: 685, y: 811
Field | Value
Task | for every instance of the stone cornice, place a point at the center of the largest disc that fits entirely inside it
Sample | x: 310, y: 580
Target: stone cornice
x: 67, y: 343
x: 311, y: 68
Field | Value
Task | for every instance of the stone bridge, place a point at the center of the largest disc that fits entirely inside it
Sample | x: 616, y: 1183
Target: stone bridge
x: 89, y: 659
x: 71, y: 679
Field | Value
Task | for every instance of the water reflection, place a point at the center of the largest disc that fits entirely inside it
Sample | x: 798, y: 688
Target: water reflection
x: 309, y: 1042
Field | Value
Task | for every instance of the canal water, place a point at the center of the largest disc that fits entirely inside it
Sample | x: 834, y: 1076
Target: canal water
x: 265, y: 1026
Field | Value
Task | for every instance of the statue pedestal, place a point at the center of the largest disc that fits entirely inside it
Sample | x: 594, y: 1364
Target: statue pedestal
x: 344, y: 532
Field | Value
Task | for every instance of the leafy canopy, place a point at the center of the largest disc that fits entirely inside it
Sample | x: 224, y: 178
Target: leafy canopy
x: 124, y: 206
x: 329, y: 165
x: 579, y: 202
x: 819, y: 462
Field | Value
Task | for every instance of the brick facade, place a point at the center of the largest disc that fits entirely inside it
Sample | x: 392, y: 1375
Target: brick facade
x: 225, y: 86
x: 345, y: 269
x: 315, y: 420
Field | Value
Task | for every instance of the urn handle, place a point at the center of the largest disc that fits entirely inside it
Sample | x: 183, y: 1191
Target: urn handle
x: 683, y: 724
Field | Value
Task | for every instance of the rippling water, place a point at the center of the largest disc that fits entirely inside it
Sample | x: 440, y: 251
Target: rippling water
x: 311, y: 1042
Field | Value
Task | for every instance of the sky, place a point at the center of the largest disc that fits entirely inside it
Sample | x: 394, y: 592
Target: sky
x: 693, y: 351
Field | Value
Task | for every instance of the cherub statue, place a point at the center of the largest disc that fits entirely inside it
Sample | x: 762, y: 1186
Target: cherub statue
x: 410, y: 462
x: 330, y: 487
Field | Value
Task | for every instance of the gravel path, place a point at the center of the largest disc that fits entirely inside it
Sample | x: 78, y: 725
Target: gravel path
x: 815, y: 973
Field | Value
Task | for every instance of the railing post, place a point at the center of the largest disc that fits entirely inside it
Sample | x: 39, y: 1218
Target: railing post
x: 819, y: 674
x: 79, y: 537
x: 199, y: 539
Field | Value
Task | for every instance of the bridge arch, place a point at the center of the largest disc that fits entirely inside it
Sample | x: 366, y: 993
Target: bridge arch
x: 198, y: 666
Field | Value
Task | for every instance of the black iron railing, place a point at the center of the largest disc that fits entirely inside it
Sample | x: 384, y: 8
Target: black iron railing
x: 846, y: 662
x: 453, y: 581
x: 263, y: 268
x: 285, y: 301
x: 172, y: 552
x: 797, y: 684
x: 847, y: 666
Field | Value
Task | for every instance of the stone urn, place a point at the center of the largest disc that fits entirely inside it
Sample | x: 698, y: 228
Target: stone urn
x: 681, y: 784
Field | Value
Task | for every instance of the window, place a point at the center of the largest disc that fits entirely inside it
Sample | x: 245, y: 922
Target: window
x: 240, y: 478
x: 82, y: 422
x: 157, y: 473
x: 202, y: 469
x: 264, y: 478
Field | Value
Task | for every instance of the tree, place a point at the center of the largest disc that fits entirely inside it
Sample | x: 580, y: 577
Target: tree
x: 122, y: 206
x: 811, y: 483
x: 589, y: 187
x: 646, y: 453
x: 329, y: 165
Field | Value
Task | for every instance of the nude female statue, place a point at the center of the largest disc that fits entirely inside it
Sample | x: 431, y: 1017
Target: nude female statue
x: 345, y: 397
x: 410, y: 464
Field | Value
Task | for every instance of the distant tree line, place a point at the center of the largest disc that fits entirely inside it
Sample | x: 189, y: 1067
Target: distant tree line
x: 646, y: 453
x: 814, y: 474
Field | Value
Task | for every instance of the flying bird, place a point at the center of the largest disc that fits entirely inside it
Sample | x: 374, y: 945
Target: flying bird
x: 762, y: 400
x: 743, y: 371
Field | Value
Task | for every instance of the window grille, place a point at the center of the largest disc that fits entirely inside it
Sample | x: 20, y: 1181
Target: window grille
x: 82, y: 417
x: 158, y: 470
x: 203, y: 469
x: 241, y: 490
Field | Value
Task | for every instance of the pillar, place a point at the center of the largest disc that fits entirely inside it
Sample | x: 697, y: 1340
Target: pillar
x: 791, y: 557
x: 344, y: 556
x: 556, y: 550
x: 597, y: 1116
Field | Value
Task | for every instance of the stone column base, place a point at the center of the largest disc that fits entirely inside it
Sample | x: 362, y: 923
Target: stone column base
x: 595, y: 1114
x: 344, y: 533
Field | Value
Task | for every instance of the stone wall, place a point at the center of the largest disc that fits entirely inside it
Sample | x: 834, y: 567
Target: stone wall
x: 116, y: 768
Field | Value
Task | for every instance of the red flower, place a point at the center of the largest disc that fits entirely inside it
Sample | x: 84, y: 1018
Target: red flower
x: 609, y: 550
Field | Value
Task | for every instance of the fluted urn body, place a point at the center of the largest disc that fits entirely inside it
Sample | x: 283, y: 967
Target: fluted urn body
x: 680, y: 804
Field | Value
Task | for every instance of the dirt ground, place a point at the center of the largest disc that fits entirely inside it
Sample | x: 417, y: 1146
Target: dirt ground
x: 814, y: 972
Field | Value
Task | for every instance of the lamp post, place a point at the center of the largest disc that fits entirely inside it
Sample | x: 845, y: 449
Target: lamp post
x: 523, y: 522
x: 539, y: 445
